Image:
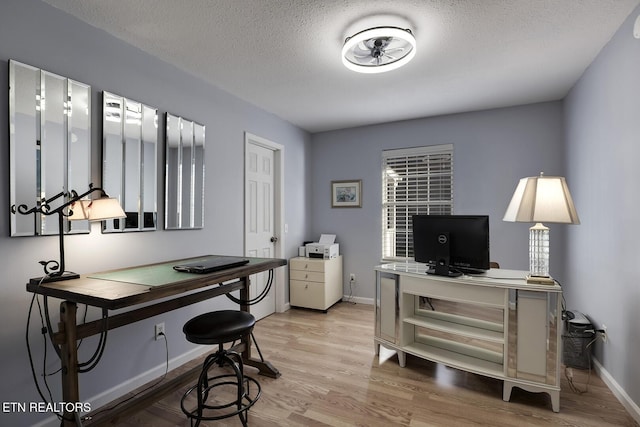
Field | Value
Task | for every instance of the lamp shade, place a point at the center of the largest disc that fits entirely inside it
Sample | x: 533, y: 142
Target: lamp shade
x: 105, y: 208
x: 95, y: 210
x: 542, y: 199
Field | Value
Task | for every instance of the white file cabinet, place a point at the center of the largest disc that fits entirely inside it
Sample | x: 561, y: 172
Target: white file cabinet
x: 315, y: 283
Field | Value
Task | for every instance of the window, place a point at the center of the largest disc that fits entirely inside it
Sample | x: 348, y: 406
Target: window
x: 414, y: 181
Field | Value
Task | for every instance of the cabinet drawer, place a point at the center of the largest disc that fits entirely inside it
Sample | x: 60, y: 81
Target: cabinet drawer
x: 307, y: 294
x: 306, y: 264
x: 309, y: 276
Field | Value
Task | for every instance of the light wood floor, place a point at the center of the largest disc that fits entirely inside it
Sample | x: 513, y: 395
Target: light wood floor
x: 331, y: 377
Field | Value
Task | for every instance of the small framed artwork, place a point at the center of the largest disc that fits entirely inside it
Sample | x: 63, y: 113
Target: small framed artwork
x: 346, y: 194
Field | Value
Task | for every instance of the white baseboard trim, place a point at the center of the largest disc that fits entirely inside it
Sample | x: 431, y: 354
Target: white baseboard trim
x: 123, y: 388
x: 358, y: 300
x: 618, y: 392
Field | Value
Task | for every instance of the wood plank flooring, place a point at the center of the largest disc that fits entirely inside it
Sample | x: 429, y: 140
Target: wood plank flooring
x: 331, y: 377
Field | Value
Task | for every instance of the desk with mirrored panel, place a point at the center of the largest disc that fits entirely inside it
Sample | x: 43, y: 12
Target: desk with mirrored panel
x: 495, y: 324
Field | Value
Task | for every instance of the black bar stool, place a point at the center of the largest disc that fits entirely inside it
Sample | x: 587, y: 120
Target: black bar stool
x: 221, y: 327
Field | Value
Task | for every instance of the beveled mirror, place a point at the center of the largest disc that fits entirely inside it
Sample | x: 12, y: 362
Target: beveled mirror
x: 129, y: 159
x: 184, y: 174
x: 50, y: 145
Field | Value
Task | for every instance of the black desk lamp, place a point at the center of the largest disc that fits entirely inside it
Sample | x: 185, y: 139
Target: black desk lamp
x: 73, y: 209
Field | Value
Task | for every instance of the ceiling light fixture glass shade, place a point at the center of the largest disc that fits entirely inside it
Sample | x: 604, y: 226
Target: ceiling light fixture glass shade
x: 379, y: 49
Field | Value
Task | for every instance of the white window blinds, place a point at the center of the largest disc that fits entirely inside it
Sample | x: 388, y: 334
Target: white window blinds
x: 414, y: 181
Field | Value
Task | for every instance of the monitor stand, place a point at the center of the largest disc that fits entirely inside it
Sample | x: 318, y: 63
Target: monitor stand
x: 442, y: 269
x: 443, y: 257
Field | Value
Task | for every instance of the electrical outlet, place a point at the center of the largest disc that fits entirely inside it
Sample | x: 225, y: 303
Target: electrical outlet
x: 159, y: 329
x: 604, y: 334
x: 352, y: 277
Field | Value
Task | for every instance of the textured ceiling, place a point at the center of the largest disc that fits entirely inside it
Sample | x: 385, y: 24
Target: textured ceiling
x: 284, y: 55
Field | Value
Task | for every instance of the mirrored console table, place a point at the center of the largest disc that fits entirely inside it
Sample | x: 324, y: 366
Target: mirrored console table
x: 495, y: 325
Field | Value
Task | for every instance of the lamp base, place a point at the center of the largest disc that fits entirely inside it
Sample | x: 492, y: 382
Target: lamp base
x: 67, y: 275
x: 539, y: 250
x: 540, y: 280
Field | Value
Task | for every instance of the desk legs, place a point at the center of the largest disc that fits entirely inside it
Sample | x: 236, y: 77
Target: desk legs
x: 265, y: 368
x: 69, y: 355
x: 68, y: 336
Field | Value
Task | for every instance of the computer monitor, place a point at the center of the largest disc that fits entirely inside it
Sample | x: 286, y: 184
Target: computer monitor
x: 452, y: 244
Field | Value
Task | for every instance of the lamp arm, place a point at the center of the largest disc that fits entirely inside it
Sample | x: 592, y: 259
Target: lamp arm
x: 53, y: 268
x: 44, y: 206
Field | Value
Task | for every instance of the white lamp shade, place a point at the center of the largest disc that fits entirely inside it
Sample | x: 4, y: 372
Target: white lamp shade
x: 542, y: 199
x: 105, y: 208
x: 95, y: 210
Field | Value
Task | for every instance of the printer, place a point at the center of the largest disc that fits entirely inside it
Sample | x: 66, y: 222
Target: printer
x: 325, y: 248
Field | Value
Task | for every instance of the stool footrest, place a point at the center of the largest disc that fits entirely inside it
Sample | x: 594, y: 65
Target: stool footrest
x: 237, y: 401
x: 200, y: 413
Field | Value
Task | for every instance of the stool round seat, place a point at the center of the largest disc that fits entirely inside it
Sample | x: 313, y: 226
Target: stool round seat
x: 218, y: 327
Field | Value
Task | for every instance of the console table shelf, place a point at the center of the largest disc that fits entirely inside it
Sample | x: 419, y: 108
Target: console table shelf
x: 466, y: 326
x: 495, y: 325
x: 455, y: 360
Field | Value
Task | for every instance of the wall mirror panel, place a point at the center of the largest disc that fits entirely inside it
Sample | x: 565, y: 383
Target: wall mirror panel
x: 130, y: 140
x: 50, y: 146
x: 184, y: 174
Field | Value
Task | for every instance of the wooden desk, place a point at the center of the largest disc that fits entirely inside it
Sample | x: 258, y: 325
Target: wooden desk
x: 129, y: 287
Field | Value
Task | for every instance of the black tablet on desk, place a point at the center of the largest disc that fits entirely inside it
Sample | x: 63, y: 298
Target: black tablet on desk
x: 209, y: 265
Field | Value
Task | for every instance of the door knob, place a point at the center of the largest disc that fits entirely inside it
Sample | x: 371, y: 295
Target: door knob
x: 274, y: 239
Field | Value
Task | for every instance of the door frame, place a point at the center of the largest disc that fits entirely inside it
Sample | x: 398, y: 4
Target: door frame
x: 278, y: 209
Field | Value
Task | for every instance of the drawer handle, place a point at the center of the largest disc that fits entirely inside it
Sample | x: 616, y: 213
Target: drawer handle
x: 306, y: 286
x: 306, y: 276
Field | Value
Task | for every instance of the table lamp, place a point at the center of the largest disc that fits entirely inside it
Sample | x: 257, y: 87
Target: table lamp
x: 73, y: 209
x: 541, y: 199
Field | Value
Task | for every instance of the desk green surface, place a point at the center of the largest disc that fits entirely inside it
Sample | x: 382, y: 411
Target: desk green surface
x: 155, y: 275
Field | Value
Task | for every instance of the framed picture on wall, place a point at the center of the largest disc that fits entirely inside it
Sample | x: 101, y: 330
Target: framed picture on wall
x: 346, y: 194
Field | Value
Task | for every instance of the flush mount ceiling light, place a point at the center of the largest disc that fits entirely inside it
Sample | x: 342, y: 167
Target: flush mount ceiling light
x: 378, y: 49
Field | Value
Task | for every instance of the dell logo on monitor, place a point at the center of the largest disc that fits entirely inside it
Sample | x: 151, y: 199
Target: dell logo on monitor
x: 442, y: 239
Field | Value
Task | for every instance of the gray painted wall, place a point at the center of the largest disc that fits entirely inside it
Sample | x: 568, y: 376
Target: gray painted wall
x: 492, y: 150
x: 37, y: 34
x: 602, y: 151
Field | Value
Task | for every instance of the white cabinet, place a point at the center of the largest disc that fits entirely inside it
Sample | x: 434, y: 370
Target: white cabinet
x: 495, y: 325
x: 315, y: 283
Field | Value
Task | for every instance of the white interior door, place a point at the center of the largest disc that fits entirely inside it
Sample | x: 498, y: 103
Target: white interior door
x: 260, y: 234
